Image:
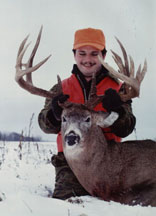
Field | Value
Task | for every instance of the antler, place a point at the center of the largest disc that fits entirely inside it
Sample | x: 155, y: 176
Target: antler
x: 29, y: 68
x: 126, y: 73
x: 93, y: 98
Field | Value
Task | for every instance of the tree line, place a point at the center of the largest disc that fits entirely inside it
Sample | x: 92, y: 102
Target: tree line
x: 13, y: 136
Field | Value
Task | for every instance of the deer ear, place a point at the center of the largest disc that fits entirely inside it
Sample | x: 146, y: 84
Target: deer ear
x: 106, y: 119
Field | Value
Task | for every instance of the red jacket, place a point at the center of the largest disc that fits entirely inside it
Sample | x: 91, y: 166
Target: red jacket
x: 72, y: 87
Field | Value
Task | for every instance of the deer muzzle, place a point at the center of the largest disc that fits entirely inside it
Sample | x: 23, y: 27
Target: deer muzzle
x: 72, y: 138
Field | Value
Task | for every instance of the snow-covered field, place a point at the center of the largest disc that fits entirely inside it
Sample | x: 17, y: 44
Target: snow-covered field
x: 27, y: 182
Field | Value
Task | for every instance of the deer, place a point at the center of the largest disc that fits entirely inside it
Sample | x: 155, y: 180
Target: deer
x: 123, y: 172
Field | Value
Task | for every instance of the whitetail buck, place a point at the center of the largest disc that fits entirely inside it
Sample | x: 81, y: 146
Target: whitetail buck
x: 123, y: 172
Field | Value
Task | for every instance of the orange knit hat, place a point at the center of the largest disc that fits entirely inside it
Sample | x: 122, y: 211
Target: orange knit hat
x: 89, y: 36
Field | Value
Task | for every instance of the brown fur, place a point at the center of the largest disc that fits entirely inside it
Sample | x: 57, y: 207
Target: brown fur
x: 123, y: 172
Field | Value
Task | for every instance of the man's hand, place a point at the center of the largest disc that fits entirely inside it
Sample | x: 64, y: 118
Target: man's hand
x: 112, y: 100
x: 56, y: 109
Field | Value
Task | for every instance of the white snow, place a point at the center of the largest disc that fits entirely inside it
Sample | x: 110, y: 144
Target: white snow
x: 27, y: 181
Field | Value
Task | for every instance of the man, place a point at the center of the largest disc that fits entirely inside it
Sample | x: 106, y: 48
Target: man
x: 88, y: 44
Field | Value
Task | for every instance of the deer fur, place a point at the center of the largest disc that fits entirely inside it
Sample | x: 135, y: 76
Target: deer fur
x: 123, y: 172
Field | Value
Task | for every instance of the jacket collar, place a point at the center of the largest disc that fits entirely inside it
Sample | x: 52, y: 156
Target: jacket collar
x: 86, y: 85
x: 100, y: 75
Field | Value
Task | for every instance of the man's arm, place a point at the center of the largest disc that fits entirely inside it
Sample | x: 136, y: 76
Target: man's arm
x: 46, y: 119
x: 125, y: 124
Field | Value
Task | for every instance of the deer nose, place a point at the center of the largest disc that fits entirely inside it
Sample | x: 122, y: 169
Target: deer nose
x: 72, y: 138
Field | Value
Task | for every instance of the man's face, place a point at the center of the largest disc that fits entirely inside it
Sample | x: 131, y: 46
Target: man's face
x: 86, y: 58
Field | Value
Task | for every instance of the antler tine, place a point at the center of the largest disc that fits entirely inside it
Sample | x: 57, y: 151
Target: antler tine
x: 60, y: 90
x: 126, y: 66
x: 31, y: 58
x: 118, y: 61
x: 141, y: 73
x: 30, y: 61
x: 92, y: 93
x: 19, y: 72
x: 22, y: 46
x: 27, y: 85
x: 132, y: 67
x: 93, y: 98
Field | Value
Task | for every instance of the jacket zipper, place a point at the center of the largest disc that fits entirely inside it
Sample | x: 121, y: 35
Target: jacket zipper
x: 83, y: 89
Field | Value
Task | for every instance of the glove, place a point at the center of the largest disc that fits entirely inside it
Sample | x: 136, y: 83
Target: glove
x: 112, y: 100
x: 56, y: 109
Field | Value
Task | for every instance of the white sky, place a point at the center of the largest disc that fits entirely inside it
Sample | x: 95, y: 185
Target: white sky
x: 132, y: 21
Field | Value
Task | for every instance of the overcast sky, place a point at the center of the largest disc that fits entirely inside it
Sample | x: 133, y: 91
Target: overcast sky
x: 132, y: 21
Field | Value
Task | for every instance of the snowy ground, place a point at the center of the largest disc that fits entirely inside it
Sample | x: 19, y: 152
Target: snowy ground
x: 27, y: 181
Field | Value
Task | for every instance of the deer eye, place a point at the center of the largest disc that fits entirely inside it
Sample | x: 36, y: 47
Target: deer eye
x: 64, y: 119
x: 87, y: 119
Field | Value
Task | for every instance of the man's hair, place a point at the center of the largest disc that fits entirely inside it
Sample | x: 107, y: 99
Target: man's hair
x: 104, y: 51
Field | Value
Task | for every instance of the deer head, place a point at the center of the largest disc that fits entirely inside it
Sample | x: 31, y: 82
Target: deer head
x: 78, y: 121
